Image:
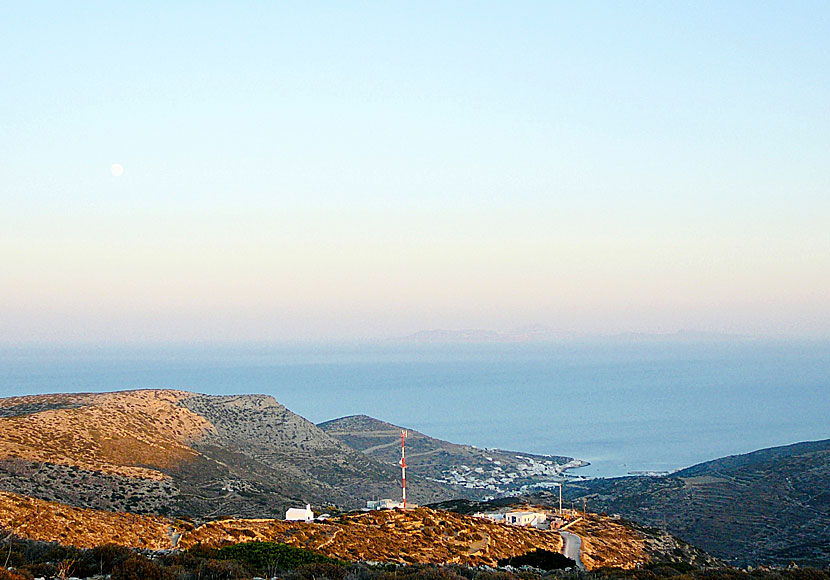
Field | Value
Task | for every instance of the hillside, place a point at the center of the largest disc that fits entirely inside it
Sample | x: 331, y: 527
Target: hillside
x: 420, y: 535
x: 45, y: 521
x: 179, y: 453
x: 614, y: 543
x: 606, y: 541
x: 476, y: 472
x: 414, y: 536
x: 770, y: 506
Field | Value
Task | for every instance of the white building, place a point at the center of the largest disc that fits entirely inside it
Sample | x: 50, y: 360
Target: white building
x: 525, y: 518
x: 300, y: 514
x: 383, y: 504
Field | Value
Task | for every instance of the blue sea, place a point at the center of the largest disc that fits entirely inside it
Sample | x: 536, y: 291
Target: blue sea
x: 621, y: 405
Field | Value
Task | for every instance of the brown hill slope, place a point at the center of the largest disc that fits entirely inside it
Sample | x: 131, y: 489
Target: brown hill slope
x: 420, y: 535
x: 473, y: 471
x: 770, y: 506
x: 182, y: 453
x: 85, y: 528
x: 621, y: 544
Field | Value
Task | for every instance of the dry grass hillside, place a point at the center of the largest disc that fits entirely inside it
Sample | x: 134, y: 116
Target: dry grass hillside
x: 53, y: 522
x: 618, y: 544
x: 134, y: 433
x: 420, y: 535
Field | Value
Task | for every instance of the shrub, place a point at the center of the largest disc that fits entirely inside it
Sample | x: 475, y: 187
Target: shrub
x: 221, y: 570
x: 319, y: 572
x: 270, y: 556
x: 102, y: 559
x: 138, y: 568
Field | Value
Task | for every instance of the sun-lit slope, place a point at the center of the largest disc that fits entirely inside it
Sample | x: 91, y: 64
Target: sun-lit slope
x: 55, y: 522
x: 133, y: 433
x: 620, y: 544
x: 419, y: 535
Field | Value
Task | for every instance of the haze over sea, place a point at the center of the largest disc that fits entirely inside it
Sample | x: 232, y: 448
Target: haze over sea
x: 623, y: 405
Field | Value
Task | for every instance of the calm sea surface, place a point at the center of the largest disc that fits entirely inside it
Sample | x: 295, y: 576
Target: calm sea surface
x: 621, y: 406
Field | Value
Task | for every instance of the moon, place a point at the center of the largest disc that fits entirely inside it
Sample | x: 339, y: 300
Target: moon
x: 117, y: 170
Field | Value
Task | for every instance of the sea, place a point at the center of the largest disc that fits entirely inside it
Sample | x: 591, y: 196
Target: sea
x: 622, y: 405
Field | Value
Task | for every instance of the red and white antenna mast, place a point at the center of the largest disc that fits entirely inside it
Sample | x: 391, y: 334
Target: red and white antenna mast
x: 403, y: 466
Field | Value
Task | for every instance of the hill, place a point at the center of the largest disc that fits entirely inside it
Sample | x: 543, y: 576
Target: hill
x: 771, y: 506
x: 180, y: 453
x: 475, y: 472
x: 420, y: 535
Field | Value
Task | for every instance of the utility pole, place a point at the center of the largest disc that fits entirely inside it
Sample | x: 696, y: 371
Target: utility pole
x: 560, y: 498
x: 403, y: 466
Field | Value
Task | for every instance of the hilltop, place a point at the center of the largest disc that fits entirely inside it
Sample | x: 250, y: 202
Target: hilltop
x: 476, y: 472
x: 769, y: 506
x: 179, y: 453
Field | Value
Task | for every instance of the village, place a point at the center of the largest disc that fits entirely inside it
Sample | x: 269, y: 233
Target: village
x: 521, y: 478
x: 525, y: 516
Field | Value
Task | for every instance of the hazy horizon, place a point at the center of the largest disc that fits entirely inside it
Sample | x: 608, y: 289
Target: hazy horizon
x: 249, y: 172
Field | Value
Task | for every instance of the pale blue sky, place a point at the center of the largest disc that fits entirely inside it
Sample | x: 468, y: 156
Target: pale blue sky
x: 353, y: 170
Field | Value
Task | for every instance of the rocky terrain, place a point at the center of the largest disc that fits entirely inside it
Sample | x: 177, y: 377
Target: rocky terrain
x: 614, y: 543
x: 770, y: 506
x: 475, y: 472
x: 606, y: 541
x: 179, y: 453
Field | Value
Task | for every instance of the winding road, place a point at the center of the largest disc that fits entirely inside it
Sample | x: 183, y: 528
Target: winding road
x: 572, y: 547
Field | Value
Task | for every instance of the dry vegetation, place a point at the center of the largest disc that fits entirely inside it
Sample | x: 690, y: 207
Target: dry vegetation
x: 619, y: 544
x: 132, y: 433
x: 414, y: 536
x: 54, y: 522
x: 607, y: 543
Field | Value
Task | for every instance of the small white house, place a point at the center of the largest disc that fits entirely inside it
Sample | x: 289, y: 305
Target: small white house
x: 383, y: 504
x: 525, y: 518
x: 300, y: 514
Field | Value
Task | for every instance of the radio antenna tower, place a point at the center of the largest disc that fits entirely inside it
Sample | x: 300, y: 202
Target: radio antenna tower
x: 403, y: 466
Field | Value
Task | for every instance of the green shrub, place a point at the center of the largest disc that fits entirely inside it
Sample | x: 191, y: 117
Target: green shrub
x: 270, y: 556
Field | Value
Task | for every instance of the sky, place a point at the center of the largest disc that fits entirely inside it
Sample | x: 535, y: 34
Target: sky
x: 245, y: 171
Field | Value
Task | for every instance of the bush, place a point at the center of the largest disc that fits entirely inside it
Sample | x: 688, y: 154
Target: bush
x: 319, y: 572
x: 270, y: 556
x: 102, y: 559
x: 138, y: 568
x: 221, y: 570
x: 542, y: 559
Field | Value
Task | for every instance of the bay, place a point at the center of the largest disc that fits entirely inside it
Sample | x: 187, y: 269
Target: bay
x: 623, y: 405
